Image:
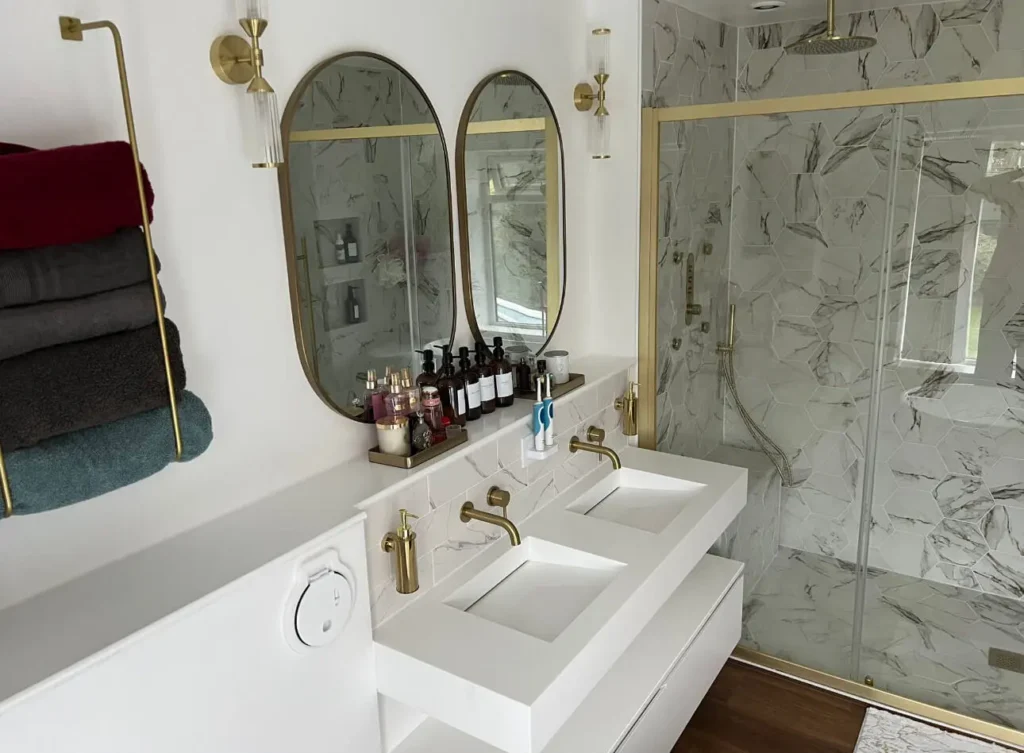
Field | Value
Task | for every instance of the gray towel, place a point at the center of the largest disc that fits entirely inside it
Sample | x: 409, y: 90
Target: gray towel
x: 56, y: 273
x: 54, y: 391
x: 27, y: 328
x: 86, y: 464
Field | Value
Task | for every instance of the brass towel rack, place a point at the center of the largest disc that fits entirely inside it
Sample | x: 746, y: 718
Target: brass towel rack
x: 71, y: 30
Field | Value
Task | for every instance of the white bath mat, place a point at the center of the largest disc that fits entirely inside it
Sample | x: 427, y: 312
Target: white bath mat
x: 883, y: 732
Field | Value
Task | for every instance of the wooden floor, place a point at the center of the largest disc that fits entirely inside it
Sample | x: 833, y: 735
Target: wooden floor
x: 749, y: 710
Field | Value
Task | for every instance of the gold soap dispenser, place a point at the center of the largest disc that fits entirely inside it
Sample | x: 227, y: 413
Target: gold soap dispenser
x: 403, y: 543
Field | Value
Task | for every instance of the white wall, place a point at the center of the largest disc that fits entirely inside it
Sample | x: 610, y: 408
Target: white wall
x: 218, y: 226
x: 217, y: 676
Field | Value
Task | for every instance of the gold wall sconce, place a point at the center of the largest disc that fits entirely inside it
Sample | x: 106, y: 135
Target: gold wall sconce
x: 237, y: 61
x: 586, y: 98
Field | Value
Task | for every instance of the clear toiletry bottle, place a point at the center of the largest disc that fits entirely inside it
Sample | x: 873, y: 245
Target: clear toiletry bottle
x: 397, y: 400
x: 369, y: 409
x: 375, y: 395
x: 412, y: 391
x: 505, y: 395
x: 471, y: 378
x: 433, y: 412
x: 487, y: 393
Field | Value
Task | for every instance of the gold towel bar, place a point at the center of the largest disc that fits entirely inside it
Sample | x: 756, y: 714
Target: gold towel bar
x: 71, y: 30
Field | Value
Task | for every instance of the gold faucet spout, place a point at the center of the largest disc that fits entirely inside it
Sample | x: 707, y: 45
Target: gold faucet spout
x: 471, y: 513
x: 577, y: 445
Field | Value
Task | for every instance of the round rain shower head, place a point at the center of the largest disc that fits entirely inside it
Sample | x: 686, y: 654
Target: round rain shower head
x: 829, y: 44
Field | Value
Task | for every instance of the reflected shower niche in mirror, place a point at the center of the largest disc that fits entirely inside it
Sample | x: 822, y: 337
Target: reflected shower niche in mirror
x: 511, y: 196
x: 367, y: 223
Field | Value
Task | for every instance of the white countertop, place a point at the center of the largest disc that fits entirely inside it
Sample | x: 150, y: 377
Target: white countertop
x: 513, y: 689
x: 49, y: 633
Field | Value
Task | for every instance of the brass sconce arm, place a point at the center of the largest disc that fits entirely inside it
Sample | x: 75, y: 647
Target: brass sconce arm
x: 584, y: 96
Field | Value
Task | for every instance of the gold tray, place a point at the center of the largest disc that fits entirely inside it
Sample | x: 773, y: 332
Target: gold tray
x: 421, y: 457
x: 557, y: 390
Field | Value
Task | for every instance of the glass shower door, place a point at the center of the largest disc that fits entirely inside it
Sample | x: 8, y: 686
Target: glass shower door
x: 780, y: 221
x: 943, y: 607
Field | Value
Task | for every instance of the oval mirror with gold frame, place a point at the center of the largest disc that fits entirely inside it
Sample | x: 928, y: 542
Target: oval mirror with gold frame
x: 511, y: 196
x: 365, y: 193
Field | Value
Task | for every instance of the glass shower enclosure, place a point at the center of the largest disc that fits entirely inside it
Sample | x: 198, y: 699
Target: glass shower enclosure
x: 835, y: 301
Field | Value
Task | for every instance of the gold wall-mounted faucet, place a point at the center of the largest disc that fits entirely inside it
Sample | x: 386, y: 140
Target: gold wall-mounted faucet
x: 496, y: 497
x: 403, y: 543
x: 596, y: 437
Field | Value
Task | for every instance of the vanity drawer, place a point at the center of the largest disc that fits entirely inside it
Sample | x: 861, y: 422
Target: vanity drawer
x: 669, y: 710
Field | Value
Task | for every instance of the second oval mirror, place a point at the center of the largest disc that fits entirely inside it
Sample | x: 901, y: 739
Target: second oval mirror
x: 510, y: 183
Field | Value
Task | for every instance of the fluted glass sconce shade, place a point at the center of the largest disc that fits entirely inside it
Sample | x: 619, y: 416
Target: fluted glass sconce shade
x: 599, y: 137
x: 591, y: 97
x: 598, y: 49
x: 253, y: 9
x: 264, y: 128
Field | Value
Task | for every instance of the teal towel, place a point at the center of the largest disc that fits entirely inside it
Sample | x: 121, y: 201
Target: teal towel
x: 85, y: 464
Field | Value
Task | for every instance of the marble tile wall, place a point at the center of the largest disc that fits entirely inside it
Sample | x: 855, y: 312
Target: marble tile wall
x: 923, y: 640
x: 445, y: 543
x: 810, y: 197
x: 689, y: 59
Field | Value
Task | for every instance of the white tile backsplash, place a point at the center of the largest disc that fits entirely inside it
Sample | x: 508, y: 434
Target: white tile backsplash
x: 444, y: 543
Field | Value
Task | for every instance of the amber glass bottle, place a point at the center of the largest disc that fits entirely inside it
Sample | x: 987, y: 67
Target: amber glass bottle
x: 483, y: 367
x: 452, y: 389
x: 471, y: 378
x: 502, y: 370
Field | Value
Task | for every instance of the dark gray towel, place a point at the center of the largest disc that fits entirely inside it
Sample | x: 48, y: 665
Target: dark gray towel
x: 43, y: 325
x: 56, y: 273
x: 50, y: 392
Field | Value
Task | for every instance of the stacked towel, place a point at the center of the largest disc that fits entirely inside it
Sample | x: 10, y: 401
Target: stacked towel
x: 68, y: 195
x: 58, y: 390
x: 84, y: 406
x: 57, y: 273
x: 75, y: 467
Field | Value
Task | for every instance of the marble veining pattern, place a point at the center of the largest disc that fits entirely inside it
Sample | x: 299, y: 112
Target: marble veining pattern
x: 885, y: 732
x: 922, y: 639
x: 947, y: 451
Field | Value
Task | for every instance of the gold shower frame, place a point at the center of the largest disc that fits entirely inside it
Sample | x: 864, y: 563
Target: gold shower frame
x: 71, y: 30
x: 647, y: 419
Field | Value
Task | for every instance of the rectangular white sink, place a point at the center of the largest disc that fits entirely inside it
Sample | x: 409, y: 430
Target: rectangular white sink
x: 507, y: 647
x: 648, y: 501
x: 537, y: 588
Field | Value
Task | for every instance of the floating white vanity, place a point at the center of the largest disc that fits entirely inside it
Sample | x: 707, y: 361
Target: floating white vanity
x: 608, y: 622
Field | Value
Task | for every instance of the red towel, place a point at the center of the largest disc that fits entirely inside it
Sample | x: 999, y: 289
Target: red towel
x: 68, y: 195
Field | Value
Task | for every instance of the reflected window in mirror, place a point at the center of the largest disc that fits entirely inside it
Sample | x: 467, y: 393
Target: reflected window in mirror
x: 365, y: 193
x: 511, y: 189
x: 962, y: 312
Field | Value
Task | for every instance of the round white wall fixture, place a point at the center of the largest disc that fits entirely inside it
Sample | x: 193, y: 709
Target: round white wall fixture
x: 320, y: 602
x: 323, y: 609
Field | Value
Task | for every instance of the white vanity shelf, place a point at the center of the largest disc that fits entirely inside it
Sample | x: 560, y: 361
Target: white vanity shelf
x: 651, y: 692
x: 511, y: 650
